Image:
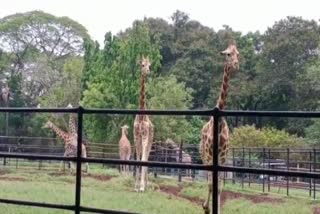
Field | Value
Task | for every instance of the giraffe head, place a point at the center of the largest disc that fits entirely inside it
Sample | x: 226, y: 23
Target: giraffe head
x: 145, y: 65
x: 232, y: 55
x: 48, y: 124
x: 125, y: 129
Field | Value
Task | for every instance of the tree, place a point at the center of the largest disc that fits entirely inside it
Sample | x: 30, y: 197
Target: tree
x: 114, y: 78
x: 37, y: 42
x: 67, y: 89
x: 167, y: 93
x: 250, y: 136
x: 313, y: 133
x: 288, y: 47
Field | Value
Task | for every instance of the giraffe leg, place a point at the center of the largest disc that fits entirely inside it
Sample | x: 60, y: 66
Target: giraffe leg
x: 207, y: 202
x: 61, y: 165
x: 84, y: 155
x: 147, y: 158
x: 62, y: 162
x: 71, y: 167
x: 87, y: 167
x: 144, y: 169
x: 146, y: 146
x: 138, y: 172
x: 205, y: 205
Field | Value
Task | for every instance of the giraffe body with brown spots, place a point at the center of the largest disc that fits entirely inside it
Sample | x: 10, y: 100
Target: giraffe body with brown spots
x: 142, y: 131
x: 124, y: 148
x: 206, y: 145
x: 70, y: 142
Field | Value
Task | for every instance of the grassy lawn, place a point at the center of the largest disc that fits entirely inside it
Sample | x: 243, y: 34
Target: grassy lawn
x: 105, y: 189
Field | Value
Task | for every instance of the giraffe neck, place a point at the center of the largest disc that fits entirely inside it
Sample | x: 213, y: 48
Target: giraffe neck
x: 224, y: 88
x: 60, y: 133
x: 142, y: 98
x: 72, y: 124
x: 123, y: 133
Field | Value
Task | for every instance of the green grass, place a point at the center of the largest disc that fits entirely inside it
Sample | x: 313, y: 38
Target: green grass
x: 117, y: 194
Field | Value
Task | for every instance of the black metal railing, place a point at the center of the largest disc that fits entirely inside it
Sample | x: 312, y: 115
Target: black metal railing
x: 215, y: 168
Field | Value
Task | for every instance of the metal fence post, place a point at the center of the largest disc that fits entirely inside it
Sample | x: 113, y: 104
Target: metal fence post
x: 166, y: 158
x: 40, y: 164
x: 244, y: 165
x: 215, y: 173
x: 269, y: 158
x: 314, y: 169
x: 249, y: 166
x: 288, y: 168
x: 263, y: 166
x: 233, y: 164
x: 180, y: 161
x: 310, y: 170
x: 155, y: 169
x: 79, y: 150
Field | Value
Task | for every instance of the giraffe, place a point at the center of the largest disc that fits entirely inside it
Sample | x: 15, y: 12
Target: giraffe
x: 74, y: 132
x: 5, y: 95
x: 206, y: 145
x: 143, y: 131
x: 124, y: 148
x: 70, y: 142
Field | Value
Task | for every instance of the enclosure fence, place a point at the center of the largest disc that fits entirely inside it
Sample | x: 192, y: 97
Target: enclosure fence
x: 215, y: 168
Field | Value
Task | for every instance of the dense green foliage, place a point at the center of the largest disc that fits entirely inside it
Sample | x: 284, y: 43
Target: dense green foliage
x: 250, y: 136
x: 279, y: 70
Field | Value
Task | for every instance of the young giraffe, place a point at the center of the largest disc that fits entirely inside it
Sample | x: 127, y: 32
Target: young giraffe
x: 70, y: 142
x: 124, y: 148
x: 206, y: 145
x: 73, y: 131
x: 143, y: 131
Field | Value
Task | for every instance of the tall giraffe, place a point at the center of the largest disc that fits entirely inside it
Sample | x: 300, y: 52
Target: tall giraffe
x: 70, y: 143
x: 143, y: 131
x: 124, y: 148
x: 206, y: 145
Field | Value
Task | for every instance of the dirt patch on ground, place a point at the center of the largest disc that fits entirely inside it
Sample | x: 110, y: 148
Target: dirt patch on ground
x: 58, y: 174
x: 228, y: 195
x: 5, y: 178
x: 4, y: 171
x: 99, y: 177
x: 225, y: 196
x: 316, y: 210
x: 94, y: 176
x: 175, y: 191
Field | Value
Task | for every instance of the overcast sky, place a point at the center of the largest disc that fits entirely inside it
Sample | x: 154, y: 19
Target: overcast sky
x: 100, y: 16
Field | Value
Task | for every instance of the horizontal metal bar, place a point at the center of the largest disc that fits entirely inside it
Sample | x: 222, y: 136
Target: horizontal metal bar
x: 306, y: 114
x: 269, y: 172
x: 36, y: 157
x: 39, y: 110
x: 150, y: 112
x: 169, y: 165
x: 37, y: 204
x: 95, y: 210
x: 215, y: 111
x: 148, y: 163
